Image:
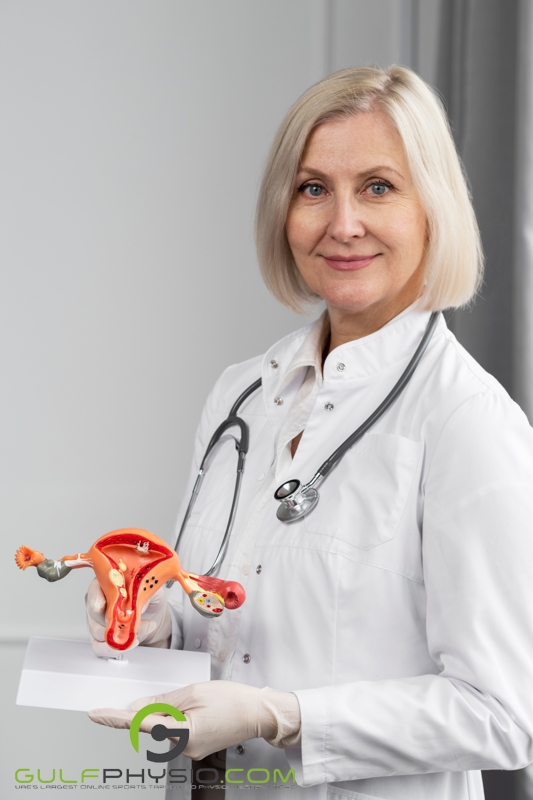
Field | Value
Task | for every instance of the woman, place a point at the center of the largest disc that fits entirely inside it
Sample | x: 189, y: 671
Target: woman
x: 394, y: 621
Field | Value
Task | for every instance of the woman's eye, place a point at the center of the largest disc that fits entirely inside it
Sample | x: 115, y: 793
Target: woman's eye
x: 379, y: 189
x: 311, y: 189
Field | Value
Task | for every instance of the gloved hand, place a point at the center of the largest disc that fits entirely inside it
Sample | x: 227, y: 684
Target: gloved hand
x: 219, y: 714
x: 155, y: 628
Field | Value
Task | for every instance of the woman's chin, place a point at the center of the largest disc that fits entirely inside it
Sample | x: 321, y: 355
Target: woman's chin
x: 356, y: 304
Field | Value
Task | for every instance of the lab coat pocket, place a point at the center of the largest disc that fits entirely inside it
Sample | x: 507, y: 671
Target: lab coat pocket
x: 364, y: 497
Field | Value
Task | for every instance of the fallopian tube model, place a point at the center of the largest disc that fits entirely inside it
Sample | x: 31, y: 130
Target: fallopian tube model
x: 131, y: 565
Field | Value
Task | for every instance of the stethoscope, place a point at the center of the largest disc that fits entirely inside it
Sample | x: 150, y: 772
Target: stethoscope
x: 296, y: 498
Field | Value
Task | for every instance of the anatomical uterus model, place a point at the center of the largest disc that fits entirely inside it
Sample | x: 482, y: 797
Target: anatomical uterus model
x: 130, y: 565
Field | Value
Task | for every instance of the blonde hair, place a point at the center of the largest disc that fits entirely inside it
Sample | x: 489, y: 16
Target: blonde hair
x: 454, y: 258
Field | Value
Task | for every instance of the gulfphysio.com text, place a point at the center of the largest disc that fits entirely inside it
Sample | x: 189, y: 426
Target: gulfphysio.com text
x: 114, y: 778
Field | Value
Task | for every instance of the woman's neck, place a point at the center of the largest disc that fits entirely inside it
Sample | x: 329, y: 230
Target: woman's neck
x: 349, y: 326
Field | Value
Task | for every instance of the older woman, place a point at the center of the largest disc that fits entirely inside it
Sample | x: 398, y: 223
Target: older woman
x: 394, y: 621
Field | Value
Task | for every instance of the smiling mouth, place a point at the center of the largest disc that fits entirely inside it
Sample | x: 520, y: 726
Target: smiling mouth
x: 349, y: 263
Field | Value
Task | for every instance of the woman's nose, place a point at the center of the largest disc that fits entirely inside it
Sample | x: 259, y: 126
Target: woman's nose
x: 346, y: 220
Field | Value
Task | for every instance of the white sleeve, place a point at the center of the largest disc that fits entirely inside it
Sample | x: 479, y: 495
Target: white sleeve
x: 477, y: 712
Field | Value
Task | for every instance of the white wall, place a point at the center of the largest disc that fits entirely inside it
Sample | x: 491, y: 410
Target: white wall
x: 132, y: 139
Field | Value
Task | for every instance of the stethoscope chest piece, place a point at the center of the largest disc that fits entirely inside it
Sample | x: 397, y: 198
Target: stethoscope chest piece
x: 295, y: 500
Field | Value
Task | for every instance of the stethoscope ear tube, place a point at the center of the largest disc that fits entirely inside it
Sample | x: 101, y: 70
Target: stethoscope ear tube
x: 303, y: 498
x: 242, y: 446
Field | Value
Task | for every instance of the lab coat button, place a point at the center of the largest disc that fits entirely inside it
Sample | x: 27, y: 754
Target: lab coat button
x: 329, y: 406
x: 278, y: 401
x: 240, y: 749
x: 341, y: 367
x: 197, y: 643
x: 274, y: 364
x: 258, y: 569
x: 247, y: 658
x: 222, y: 655
x: 245, y: 569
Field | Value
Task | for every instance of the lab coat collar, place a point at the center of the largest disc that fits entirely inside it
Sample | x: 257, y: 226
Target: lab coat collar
x: 390, y: 348
x: 363, y: 357
x: 310, y: 352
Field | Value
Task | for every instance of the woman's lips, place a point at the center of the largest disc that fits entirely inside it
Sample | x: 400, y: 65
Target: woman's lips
x: 351, y: 263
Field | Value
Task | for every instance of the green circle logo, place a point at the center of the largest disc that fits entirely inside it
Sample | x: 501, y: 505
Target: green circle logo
x: 160, y: 732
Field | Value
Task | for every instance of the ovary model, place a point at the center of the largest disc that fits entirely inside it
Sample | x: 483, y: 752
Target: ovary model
x: 131, y: 564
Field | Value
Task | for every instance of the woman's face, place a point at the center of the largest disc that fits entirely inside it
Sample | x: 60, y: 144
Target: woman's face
x: 355, y: 225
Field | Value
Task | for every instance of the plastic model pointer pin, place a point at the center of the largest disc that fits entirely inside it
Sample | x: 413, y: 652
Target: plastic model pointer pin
x: 130, y: 565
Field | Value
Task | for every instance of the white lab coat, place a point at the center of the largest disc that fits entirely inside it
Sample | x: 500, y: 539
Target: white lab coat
x: 400, y: 611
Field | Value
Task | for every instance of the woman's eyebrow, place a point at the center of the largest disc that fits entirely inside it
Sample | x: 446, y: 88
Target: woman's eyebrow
x: 362, y: 175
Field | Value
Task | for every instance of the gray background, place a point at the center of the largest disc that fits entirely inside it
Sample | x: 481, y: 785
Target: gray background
x: 132, y: 140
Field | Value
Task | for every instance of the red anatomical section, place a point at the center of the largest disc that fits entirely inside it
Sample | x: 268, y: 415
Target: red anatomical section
x: 131, y: 565
x: 130, y: 568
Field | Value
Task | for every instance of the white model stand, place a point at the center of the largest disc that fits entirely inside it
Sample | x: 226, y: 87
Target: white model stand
x: 66, y: 674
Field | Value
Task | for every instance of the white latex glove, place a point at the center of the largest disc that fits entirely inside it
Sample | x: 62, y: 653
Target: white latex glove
x: 219, y: 714
x: 155, y: 628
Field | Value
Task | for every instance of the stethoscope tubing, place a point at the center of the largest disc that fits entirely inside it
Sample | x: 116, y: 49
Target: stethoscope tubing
x: 296, y: 500
x: 242, y: 446
x: 395, y: 392
x: 291, y: 499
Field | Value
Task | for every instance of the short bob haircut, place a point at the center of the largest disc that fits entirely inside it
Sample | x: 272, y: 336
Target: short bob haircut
x: 454, y: 257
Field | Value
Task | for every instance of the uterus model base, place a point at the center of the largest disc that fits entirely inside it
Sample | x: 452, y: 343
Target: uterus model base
x: 131, y: 565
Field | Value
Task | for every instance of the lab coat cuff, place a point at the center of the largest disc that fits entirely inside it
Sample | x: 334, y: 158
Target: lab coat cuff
x: 309, y: 761
x: 294, y: 757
